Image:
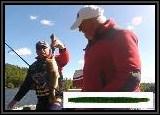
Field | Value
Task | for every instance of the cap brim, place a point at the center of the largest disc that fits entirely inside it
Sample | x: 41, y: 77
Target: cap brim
x: 76, y: 24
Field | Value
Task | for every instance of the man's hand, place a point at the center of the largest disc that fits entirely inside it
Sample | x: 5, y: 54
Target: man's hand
x: 11, y: 104
x: 57, y: 44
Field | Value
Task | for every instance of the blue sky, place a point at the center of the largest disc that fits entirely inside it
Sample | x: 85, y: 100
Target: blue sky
x: 27, y: 24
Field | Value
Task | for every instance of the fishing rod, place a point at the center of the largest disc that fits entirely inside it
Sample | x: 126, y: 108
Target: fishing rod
x: 52, y: 37
x: 25, y: 61
x: 17, y: 54
x: 52, y: 40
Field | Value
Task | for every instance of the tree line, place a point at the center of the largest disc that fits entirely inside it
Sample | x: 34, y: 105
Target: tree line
x: 147, y: 87
x: 15, y: 75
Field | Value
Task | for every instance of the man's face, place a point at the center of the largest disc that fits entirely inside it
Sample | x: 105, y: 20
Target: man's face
x: 43, y: 52
x: 87, y: 28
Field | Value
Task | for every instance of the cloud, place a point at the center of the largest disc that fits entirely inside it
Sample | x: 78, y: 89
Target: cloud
x: 23, y: 52
x: 136, y: 21
x: 130, y: 27
x: 33, y: 17
x: 81, y: 62
x: 46, y: 22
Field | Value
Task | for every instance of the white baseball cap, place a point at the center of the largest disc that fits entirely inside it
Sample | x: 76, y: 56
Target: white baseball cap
x: 87, y: 12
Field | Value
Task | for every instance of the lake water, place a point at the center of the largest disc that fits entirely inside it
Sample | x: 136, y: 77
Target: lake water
x: 30, y: 98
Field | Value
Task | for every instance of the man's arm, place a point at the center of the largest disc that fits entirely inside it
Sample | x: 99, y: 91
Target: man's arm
x: 25, y: 87
x: 63, y: 57
x: 125, y: 59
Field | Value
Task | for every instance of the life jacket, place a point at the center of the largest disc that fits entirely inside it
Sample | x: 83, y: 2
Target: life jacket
x: 40, y: 78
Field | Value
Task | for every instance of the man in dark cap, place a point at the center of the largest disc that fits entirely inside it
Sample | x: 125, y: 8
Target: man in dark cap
x: 43, y: 76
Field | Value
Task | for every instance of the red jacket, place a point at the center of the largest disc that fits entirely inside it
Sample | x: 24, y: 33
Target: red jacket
x: 62, y: 59
x: 109, y: 59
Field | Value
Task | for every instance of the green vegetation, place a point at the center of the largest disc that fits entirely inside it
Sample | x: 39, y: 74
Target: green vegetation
x: 107, y: 100
x: 14, y: 75
x: 148, y: 87
x: 68, y: 84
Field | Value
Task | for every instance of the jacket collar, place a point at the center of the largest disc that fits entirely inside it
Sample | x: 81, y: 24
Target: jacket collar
x: 103, y: 28
x: 106, y: 27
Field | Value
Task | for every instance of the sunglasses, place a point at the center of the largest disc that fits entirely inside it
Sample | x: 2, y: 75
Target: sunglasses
x: 40, y: 47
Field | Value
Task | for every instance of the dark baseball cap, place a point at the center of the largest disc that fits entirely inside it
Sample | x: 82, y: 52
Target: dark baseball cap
x: 41, y: 45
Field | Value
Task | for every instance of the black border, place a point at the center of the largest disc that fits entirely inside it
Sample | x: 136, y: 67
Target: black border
x: 156, y: 3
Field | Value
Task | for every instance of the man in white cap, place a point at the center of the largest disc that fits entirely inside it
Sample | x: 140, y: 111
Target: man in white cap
x: 112, y: 60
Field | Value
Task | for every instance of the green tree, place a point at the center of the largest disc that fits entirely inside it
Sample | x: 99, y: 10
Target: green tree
x: 14, y: 75
x: 68, y: 84
x: 147, y: 87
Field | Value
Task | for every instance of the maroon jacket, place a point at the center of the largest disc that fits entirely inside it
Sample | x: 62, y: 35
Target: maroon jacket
x: 110, y: 58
